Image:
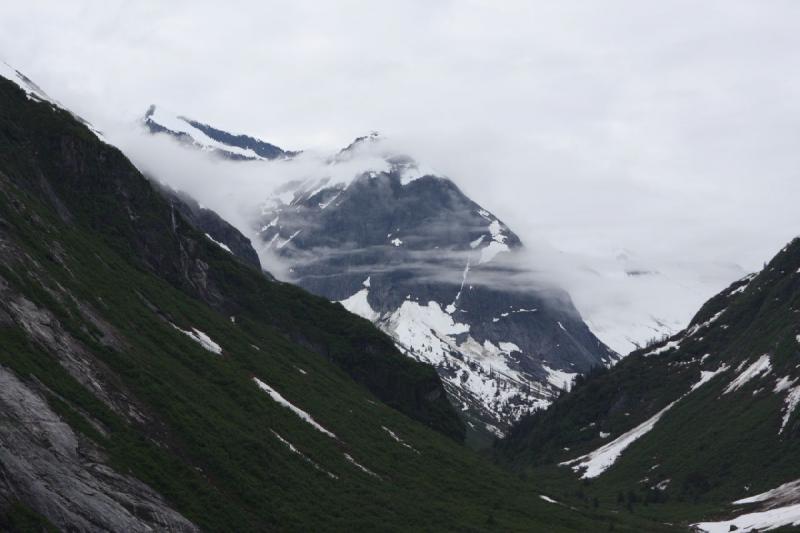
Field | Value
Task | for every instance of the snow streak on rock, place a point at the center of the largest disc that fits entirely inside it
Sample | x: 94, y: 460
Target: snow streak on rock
x: 302, y: 455
x: 397, y: 439
x: 202, y: 339
x: 360, y: 466
x: 220, y: 244
x: 275, y: 395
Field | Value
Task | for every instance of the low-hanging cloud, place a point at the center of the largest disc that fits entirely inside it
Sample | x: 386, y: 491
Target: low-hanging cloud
x: 664, y: 133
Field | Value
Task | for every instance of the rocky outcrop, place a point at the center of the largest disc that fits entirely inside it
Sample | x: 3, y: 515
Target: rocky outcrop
x: 63, y: 476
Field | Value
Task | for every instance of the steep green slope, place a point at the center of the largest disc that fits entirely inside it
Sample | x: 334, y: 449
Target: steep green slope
x: 112, y: 309
x: 734, y: 434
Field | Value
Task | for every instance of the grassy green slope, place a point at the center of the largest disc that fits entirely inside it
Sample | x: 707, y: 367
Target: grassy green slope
x: 205, y: 442
x: 713, y: 447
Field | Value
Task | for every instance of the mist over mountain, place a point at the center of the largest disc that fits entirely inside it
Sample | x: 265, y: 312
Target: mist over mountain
x: 406, y: 249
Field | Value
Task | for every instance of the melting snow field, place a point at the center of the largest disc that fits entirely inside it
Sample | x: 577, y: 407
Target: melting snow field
x: 482, y: 374
x: 759, y: 521
x: 785, y: 515
x: 202, y: 339
x: 275, y: 395
x: 784, y: 494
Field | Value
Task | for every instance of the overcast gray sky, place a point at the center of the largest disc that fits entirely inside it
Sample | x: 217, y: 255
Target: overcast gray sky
x: 669, y: 129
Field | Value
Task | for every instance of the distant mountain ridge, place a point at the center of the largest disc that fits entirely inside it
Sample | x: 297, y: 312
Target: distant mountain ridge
x: 406, y: 249
x: 208, y: 138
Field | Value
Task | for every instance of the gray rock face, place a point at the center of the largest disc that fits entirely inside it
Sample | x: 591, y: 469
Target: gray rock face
x: 44, y: 329
x: 442, y: 276
x: 61, y: 475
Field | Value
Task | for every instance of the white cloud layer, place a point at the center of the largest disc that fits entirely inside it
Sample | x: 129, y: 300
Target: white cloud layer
x: 668, y: 130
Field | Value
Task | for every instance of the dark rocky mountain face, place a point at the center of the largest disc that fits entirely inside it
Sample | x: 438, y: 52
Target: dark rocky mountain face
x: 700, y: 420
x: 213, y: 226
x: 442, y: 276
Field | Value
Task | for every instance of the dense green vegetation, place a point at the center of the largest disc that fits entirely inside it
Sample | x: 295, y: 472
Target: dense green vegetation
x: 85, y: 238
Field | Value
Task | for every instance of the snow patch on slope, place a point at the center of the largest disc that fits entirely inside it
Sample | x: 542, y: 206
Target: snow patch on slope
x: 302, y: 455
x: 697, y: 327
x: 480, y: 374
x: 398, y: 440
x: 496, y: 245
x: 422, y: 328
x: 360, y: 466
x: 181, y: 125
x: 782, y: 509
x: 760, y: 367
x: 708, y: 375
x: 559, y: 378
x: 595, y: 463
x: 275, y: 395
x: 790, y: 403
x: 671, y: 345
x: 202, y: 339
x: 787, y: 491
x: 358, y: 303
